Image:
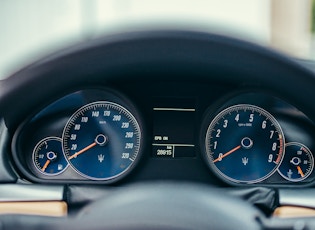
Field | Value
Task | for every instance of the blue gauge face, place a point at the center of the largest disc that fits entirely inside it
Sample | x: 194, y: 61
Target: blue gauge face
x: 48, y: 157
x: 244, y: 144
x: 298, y: 162
x: 101, y: 140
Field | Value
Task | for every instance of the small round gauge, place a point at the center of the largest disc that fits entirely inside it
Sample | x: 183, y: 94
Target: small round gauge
x: 48, y: 157
x: 244, y: 144
x: 101, y: 140
x: 298, y: 162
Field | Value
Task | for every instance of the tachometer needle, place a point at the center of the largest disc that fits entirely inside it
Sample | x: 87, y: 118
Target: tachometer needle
x: 300, y: 171
x: 83, y: 150
x: 45, y: 165
x: 226, y: 154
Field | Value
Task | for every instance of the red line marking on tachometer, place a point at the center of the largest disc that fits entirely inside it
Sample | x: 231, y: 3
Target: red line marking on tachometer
x: 280, y: 151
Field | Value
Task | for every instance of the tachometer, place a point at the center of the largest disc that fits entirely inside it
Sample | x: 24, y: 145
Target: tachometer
x: 244, y: 144
x: 102, y: 140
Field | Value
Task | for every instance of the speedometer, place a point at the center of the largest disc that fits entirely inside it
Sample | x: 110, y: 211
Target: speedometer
x: 244, y: 144
x: 102, y: 140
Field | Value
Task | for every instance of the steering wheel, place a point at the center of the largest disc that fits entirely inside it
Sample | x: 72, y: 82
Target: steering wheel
x: 141, y: 56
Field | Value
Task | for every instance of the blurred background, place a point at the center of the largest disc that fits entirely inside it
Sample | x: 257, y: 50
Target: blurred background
x: 31, y: 28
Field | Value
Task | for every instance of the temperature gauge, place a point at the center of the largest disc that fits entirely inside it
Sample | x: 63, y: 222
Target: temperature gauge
x: 48, y: 157
x: 298, y: 162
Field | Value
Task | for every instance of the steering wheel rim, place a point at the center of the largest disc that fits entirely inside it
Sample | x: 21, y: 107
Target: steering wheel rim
x: 166, y: 205
x: 163, y: 55
x: 162, y: 205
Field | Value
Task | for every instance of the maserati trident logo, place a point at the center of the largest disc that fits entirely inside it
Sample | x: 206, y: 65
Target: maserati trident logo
x: 100, y: 158
x: 245, y: 160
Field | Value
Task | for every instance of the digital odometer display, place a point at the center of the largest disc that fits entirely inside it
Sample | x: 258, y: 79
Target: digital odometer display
x: 173, y: 129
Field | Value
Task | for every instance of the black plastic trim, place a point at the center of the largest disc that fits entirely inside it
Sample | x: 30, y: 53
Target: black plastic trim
x: 167, y: 55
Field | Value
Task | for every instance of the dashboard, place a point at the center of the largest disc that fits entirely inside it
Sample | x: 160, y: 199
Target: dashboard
x: 170, y: 129
x: 163, y: 130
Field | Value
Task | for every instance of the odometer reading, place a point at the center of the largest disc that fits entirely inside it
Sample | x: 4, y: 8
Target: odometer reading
x: 244, y: 144
x: 101, y: 140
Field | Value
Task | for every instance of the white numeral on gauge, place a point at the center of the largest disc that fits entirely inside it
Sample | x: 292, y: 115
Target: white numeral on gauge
x: 225, y: 123
x: 218, y: 133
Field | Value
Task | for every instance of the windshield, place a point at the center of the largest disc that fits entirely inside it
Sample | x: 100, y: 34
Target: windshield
x: 30, y: 29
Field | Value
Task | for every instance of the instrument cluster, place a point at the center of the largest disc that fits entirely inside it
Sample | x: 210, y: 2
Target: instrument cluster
x: 81, y: 137
x: 100, y: 136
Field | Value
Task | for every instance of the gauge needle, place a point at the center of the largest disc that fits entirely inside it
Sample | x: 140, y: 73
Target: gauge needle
x: 300, y: 171
x: 45, y: 165
x: 83, y: 150
x: 226, y: 154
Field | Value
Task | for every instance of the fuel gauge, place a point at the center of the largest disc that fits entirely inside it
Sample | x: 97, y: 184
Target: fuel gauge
x: 298, y: 162
x: 48, y: 157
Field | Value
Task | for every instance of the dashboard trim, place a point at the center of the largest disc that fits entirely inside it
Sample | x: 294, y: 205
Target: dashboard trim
x: 20, y: 192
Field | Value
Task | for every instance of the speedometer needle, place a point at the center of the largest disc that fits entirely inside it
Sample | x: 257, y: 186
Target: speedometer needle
x: 226, y: 154
x: 83, y: 150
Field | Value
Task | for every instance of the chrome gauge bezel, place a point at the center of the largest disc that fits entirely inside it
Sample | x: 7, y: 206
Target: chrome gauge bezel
x: 78, y: 114
x: 36, y: 148
x: 310, y: 170
x: 208, y: 153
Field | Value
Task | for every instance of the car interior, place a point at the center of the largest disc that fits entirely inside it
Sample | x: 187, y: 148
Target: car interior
x: 159, y: 129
